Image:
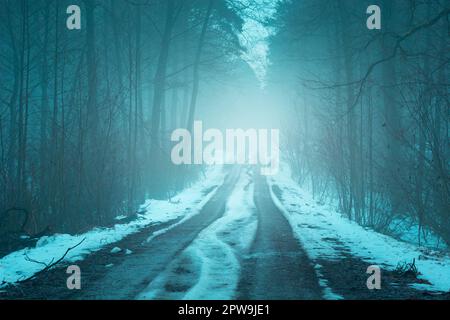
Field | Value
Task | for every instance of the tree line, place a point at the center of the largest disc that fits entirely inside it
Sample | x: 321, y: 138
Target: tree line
x: 369, y: 109
x: 85, y: 115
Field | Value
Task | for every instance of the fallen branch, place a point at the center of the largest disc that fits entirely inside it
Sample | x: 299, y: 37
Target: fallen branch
x: 27, y: 258
x: 50, y: 265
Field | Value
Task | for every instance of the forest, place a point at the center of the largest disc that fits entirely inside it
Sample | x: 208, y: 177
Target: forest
x: 370, y: 109
x: 86, y: 115
x: 92, y: 93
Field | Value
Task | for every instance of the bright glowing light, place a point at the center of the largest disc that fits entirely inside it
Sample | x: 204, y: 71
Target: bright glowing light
x: 255, y: 35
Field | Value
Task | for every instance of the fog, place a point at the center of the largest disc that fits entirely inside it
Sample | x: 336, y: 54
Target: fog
x: 86, y: 113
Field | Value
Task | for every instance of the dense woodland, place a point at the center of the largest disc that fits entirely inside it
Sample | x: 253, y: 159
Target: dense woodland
x: 370, y: 108
x: 86, y: 115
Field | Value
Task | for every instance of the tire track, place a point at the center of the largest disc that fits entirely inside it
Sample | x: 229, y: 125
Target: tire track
x: 277, y: 267
x: 210, y: 267
x: 133, y: 274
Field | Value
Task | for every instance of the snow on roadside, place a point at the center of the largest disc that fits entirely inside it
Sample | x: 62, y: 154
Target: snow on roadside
x: 328, y: 293
x: 319, y: 226
x: 17, y: 266
x: 406, y: 229
x: 209, y: 268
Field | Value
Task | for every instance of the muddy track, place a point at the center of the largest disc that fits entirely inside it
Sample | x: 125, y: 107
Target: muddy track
x: 132, y: 276
x: 346, y: 276
x: 277, y: 266
x: 128, y: 275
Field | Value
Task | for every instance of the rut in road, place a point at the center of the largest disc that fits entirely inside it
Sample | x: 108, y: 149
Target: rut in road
x: 277, y: 267
x: 127, y: 280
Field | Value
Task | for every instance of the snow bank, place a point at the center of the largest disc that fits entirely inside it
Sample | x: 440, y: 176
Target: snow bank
x: 17, y: 265
x: 324, y: 233
x: 209, y: 268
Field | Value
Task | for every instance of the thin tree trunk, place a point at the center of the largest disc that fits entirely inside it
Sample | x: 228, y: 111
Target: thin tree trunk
x: 196, y: 75
x: 160, y: 77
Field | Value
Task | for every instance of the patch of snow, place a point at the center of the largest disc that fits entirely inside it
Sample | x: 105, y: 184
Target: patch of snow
x: 325, y: 234
x: 189, y: 213
x: 128, y: 251
x: 217, y: 245
x: 323, y: 283
x: 209, y: 268
x: 406, y: 229
x: 16, y: 266
x: 115, y: 250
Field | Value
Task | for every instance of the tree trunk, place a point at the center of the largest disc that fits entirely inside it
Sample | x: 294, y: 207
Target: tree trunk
x: 196, y: 75
x: 160, y: 76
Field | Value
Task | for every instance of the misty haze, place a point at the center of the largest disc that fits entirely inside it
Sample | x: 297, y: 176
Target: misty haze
x: 224, y: 149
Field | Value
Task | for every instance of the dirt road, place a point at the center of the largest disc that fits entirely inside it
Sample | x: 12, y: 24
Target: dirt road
x: 276, y: 266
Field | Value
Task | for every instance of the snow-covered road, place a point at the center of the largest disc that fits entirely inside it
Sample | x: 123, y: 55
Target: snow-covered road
x: 233, y: 235
x: 211, y: 263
